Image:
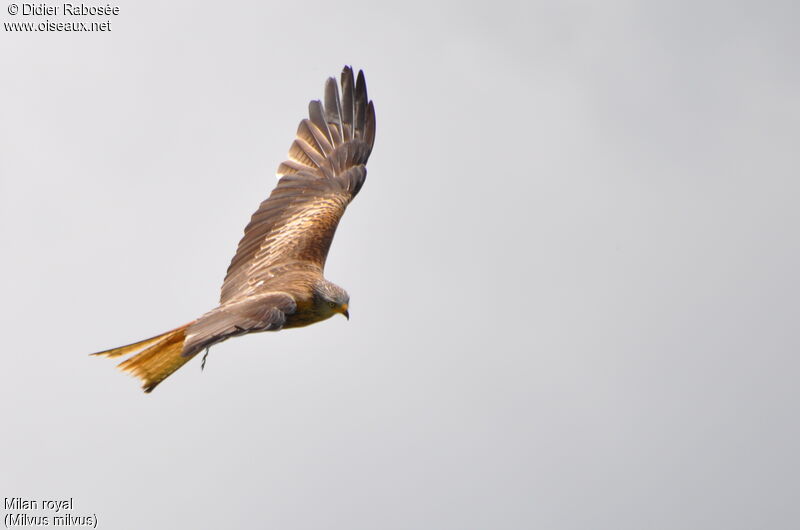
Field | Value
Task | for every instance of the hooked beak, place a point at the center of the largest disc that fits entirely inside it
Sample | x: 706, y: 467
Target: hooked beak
x: 345, y: 312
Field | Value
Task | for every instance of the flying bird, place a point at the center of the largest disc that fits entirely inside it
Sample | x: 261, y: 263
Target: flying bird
x: 275, y: 279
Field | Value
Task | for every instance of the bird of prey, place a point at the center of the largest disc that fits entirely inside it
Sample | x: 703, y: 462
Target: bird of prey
x: 275, y: 279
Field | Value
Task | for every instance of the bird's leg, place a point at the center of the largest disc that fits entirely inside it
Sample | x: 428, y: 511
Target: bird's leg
x: 203, y: 362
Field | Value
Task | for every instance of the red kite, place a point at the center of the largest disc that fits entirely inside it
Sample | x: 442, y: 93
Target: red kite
x: 276, y: 280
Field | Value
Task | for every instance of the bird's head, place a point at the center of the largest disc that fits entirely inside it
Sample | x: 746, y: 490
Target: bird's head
x: 331, y: 299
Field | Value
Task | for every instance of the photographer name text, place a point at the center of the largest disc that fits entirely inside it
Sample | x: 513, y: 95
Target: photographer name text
x: 64, y: 9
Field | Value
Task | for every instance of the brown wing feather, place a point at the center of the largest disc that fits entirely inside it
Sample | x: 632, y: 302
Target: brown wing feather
x: 325, y: 170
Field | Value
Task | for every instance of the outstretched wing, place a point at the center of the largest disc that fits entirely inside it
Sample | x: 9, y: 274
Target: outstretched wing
x: 325, y: 170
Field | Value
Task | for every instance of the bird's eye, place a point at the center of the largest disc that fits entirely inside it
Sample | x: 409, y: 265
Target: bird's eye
x: 332, y: 304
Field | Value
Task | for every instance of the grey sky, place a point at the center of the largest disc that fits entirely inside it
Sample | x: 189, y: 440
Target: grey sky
x: 573, y: 267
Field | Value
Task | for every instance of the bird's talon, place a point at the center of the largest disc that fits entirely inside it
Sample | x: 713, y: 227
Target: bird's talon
x: 203, y: 362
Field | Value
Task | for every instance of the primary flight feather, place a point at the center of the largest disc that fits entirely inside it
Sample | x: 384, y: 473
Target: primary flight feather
x: 275, y: 279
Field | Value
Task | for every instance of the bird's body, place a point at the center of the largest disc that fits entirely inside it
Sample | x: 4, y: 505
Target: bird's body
x: 275, y: 279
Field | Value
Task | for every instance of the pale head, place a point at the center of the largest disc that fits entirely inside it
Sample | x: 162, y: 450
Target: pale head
x: 331, y: 299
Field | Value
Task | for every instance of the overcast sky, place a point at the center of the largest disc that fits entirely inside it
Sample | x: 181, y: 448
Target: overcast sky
x: 573, y: 267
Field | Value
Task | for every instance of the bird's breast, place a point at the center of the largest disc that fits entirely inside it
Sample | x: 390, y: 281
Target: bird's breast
x: 305, y: 315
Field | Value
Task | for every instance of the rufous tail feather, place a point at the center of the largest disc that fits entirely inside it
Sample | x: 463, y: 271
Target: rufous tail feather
x: 160, y: 357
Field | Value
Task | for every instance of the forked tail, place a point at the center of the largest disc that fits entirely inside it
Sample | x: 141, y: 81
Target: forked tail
x: 157, y: 359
